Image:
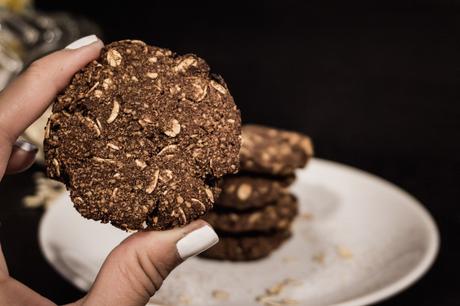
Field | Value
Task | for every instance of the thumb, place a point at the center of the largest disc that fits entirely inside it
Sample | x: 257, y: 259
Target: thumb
x: 135, y: 270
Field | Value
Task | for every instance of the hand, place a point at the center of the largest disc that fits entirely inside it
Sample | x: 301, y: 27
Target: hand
x: 134, y: 270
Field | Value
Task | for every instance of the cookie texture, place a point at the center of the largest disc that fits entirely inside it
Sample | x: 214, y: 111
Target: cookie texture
x: 245, y: 191
x: 273, y: 151
x: 141, y: 135
x: 245, y: 248
x: 277, y: 216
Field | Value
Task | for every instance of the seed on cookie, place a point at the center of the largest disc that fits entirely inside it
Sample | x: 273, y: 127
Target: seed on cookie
x: 244, y: 191
x: 173, y: 129
x: 152, y: 75
x: 114, y: 58
x: 114, y: 113
x: 153, y: 183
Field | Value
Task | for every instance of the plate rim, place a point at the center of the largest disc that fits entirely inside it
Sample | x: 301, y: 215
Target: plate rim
x: 428, y: 258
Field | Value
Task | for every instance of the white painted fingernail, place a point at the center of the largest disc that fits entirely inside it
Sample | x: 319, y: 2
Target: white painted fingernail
x: 25, y: 146
x: 196, y: 242
x: 84, y: 41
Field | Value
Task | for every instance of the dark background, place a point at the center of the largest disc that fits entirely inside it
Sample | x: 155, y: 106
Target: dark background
x: 374, y: 85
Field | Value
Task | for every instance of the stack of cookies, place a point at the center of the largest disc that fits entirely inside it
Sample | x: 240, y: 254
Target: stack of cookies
x: 254, y: 213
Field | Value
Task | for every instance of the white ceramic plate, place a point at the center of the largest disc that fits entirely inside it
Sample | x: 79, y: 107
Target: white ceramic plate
x: 366, y: 240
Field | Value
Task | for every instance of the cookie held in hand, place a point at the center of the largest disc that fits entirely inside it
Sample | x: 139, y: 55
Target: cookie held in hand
x: 141, y: 135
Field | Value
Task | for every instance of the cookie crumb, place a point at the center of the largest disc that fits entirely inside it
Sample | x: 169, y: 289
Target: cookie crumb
x: 288, y: 259
x: 276, y: 289
x: 185, y: 300
x: 270, y: 301
x: 344, y: 252
x: 271, y: 294
x: 46, y: 192
x: 220, y: 295
x: 319, y: 257
x: 306, y: 216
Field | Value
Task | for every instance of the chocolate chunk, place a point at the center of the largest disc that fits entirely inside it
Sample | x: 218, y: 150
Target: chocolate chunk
x: 140, y: 134
x: 273, y: 151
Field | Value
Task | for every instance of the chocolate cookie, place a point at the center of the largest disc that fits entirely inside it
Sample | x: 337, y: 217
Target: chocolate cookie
x: 245, y: 248
x: 242, y: 192
x: 140, y: 136
x: 277, y: 216
x: 273, y: 151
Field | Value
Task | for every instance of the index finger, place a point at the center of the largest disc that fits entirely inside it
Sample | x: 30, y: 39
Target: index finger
x: 26, y: 98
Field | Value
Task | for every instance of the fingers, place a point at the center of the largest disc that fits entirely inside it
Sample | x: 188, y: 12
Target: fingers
x: 24, y: 100
x: 27, y: 97
x: 135, y: 270
x: 22, y: 157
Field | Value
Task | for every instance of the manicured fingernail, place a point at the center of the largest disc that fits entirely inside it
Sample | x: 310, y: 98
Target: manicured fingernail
x: 26, y: 146
x: 196, y: 242
x: 84, y: 41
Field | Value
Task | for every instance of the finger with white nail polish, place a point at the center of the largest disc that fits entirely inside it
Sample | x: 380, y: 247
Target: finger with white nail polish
x: 140, y: 264
x: 84, y: 41
x: 197, y: 242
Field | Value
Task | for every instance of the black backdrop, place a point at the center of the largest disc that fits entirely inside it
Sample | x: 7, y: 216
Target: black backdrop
x: 375, y: 87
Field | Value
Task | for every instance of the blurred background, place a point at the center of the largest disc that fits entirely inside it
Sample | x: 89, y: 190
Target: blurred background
x: 374, y: 85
